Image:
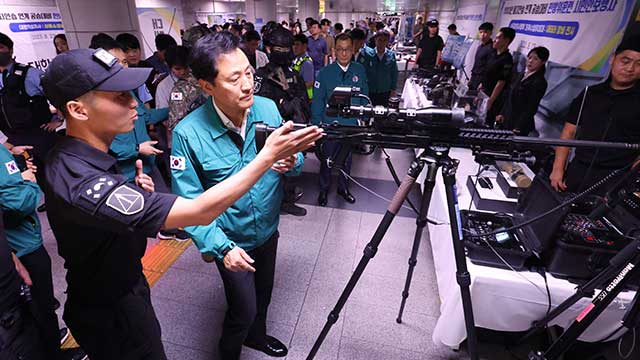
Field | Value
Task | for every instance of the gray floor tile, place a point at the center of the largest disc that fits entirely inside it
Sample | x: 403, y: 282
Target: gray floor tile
x: 192, y: 288
x: 190, y: 326
x: 285, y: 306
x: 179, y: 352
x: 356, y: 349
x: 414, y: 334
x: 292, y: 273
x: 305, y: 251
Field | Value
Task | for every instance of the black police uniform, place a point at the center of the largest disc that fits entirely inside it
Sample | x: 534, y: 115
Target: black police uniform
x: 499, y: 68
x: 19, y: 335
x: 22, y: 115
x: 607, y: 115
x: 101, y: 224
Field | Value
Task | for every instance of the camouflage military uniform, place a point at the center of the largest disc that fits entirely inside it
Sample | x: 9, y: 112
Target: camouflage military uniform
x: 186, y: 96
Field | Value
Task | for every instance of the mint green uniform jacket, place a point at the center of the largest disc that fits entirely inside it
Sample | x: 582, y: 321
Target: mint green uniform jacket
x: 330, y: 77
x: 203, y: 154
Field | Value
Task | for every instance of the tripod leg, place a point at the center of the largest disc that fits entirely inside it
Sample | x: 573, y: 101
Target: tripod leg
x: 462, y: 274
x: 421, y: 222
x: 370, y: 251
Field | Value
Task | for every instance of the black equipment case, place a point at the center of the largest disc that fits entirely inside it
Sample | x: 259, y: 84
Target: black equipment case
x: 521, y: 247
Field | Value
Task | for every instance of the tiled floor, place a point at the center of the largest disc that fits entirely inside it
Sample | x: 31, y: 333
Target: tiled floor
x: 316, y: 256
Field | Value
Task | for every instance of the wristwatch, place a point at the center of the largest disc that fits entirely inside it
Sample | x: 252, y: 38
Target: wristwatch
x: 227, y: 249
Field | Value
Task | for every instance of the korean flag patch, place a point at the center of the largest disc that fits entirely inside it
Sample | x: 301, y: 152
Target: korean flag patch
x: 355, y: 78
x: 316, y: 84
x: 12, y: 167
x: 178, y: 163
x: 176, y: 96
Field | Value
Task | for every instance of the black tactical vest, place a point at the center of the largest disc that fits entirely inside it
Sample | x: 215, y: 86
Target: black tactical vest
x: 19, y: 112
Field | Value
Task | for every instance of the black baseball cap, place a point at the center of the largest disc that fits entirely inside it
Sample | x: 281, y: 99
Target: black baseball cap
x: 432, y: 22
x: 76, y: 72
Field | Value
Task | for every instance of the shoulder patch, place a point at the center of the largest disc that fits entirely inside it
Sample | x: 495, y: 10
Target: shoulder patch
x: 355, y: 78
x: 125, y: 200
x: 176, y: 96
x: 178, y: 163
x: 257, y: 85
x: 97, y: 189
x: 12, y: 167
x: 316, y: 84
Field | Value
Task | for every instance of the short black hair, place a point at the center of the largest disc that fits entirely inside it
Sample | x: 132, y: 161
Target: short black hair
x: 105, y: 41
x: 177, y: 56
x: 128, y: 41
x: 452, y: 27
x: 509, y: 33
x: 343, y: 37
x: 6, y: 40
x: 165, y: 41
x: 379, y: 25
x: 541, y: 51
x: 225, y: 26
x: 308, y: 19
x: 631, y: 42
x: 325, y: 22
x: 357, y: 34
x: 313, y: 22
x: 251, y: 35
x: 338, y: 26
x: 382, y: 33
x: 300, y: 38
x: 486, y: 26
x: 237, y: 27
x: 206, y: 52
x: 248, y: 26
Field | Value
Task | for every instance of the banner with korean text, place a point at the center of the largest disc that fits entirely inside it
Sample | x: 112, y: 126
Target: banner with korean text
x: 154, y: 21
x: 468, y: 20
x: 32, y: 29
x: 578, y: 33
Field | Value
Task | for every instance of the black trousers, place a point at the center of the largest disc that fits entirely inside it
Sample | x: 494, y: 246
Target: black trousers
x: 127, y: 329
x: 38, y: 264
x: 331, y: 149
x: 248, y: 296
x: 19, y: 336
x: 381, y: 99
x: 579, y: 177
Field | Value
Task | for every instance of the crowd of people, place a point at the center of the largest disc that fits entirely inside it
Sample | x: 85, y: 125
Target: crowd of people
x: 166, y: 147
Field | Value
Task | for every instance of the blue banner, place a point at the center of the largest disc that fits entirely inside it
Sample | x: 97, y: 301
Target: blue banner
x: 563, y: 30
x: 36, y: 26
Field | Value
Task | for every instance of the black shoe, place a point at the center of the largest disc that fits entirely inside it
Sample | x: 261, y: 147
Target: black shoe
x: 74, y: 354
x: 293, y: 209
x: 42, y: 208
x: 64, y: 335
x: 322, y: 198
x: 271, y: 346
x: 347, y: 196
x: 174, y: 234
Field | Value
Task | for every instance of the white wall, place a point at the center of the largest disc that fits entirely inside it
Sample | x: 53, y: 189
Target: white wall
x: 171, y: 4
x: 84, y: 18
x: 28, y: 2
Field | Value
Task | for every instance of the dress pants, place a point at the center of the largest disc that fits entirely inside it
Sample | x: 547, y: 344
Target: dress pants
x: 125, y: 330
x: 330, y: 149
x: 248, y: 296
x: 38, y: 264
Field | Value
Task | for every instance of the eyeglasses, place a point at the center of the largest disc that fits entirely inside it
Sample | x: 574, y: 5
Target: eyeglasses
x: 344, y: 50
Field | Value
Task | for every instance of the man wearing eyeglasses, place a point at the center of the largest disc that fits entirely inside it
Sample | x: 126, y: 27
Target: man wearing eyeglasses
x: 343, y: 72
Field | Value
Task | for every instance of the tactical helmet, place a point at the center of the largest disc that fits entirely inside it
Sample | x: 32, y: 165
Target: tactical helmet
x: 280, y: 37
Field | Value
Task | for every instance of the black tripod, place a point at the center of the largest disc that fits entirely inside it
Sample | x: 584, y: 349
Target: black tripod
x: 622, y: 268
x: 435, y: 157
